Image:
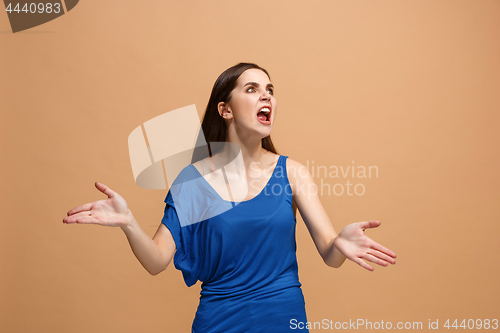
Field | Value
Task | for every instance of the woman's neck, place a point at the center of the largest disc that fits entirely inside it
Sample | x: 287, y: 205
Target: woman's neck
x: 236, y: 156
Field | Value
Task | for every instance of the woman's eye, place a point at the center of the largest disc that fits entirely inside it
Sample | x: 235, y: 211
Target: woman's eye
x: 270, y: 91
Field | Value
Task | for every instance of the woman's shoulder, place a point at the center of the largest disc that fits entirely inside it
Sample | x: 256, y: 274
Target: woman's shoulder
x: 296, y: 171
x: 202, y: 165
x: 294, y: 165
x: 198, y: 166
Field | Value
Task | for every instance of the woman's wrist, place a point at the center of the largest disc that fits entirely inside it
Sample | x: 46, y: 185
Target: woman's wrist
x: 337, y: 254
x: 130, y: 222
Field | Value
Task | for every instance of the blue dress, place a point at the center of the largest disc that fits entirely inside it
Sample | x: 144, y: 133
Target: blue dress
x: 245, y: 256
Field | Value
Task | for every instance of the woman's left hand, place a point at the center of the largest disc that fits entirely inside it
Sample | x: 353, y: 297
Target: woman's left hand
x: 355, y: 245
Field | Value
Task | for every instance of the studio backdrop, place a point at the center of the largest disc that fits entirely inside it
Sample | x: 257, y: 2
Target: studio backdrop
x: 392, y: 105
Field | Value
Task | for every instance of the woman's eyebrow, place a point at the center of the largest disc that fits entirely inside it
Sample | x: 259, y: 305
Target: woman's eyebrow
x: 256, y: 84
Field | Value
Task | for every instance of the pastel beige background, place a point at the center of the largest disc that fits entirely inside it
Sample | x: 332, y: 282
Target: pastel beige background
x: 411, y: 87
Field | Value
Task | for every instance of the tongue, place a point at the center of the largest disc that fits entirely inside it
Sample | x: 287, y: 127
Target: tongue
x: 262, y: 116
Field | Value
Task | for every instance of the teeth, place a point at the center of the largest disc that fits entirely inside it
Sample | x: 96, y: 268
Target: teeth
x: 265, y: 110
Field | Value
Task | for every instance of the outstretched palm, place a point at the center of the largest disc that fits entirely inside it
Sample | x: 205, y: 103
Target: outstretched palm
x: 110, y: 212
x: 355, y: 246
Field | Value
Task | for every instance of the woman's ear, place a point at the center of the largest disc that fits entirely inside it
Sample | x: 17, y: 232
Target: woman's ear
x: 224, y: 110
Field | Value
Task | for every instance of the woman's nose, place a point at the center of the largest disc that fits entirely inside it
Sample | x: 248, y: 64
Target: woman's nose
x: 266, y: 96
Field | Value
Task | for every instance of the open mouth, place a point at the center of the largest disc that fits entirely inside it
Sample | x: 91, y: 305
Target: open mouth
x: 264, y: 115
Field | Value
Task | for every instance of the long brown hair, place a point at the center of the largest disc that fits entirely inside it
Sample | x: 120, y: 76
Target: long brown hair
x: 213, y: 126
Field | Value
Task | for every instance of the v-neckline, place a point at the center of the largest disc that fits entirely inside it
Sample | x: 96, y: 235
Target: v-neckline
x: 238, y: 202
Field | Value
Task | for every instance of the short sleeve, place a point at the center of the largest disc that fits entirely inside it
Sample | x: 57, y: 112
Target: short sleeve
x: 185, y: 259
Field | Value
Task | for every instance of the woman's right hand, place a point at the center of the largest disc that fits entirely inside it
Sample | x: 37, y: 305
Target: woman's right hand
x: 111, y: 212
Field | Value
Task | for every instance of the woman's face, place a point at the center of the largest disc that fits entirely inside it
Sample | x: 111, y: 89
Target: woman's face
x: 252, y: 105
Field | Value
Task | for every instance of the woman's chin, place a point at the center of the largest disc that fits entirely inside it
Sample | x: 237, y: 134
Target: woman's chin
x: 258, y: 133
x: 263, y: 133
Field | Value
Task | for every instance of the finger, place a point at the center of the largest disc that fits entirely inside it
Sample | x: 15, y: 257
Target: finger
x: 375, y: 260
x: 76, y: 217
x: 369, y: 224
x: 382, y: 256
x: 85, y: 207
x: 363, y: 264
x: 104, y: 189
x: 82, y: 217
x: 383, y: 249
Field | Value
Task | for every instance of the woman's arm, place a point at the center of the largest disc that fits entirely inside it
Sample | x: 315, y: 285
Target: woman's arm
x: 305, y: 195
x: 154, y: 254
x: 351, y: 243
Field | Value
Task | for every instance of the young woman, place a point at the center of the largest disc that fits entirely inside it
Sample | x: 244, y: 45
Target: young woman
x: 245, y: 254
